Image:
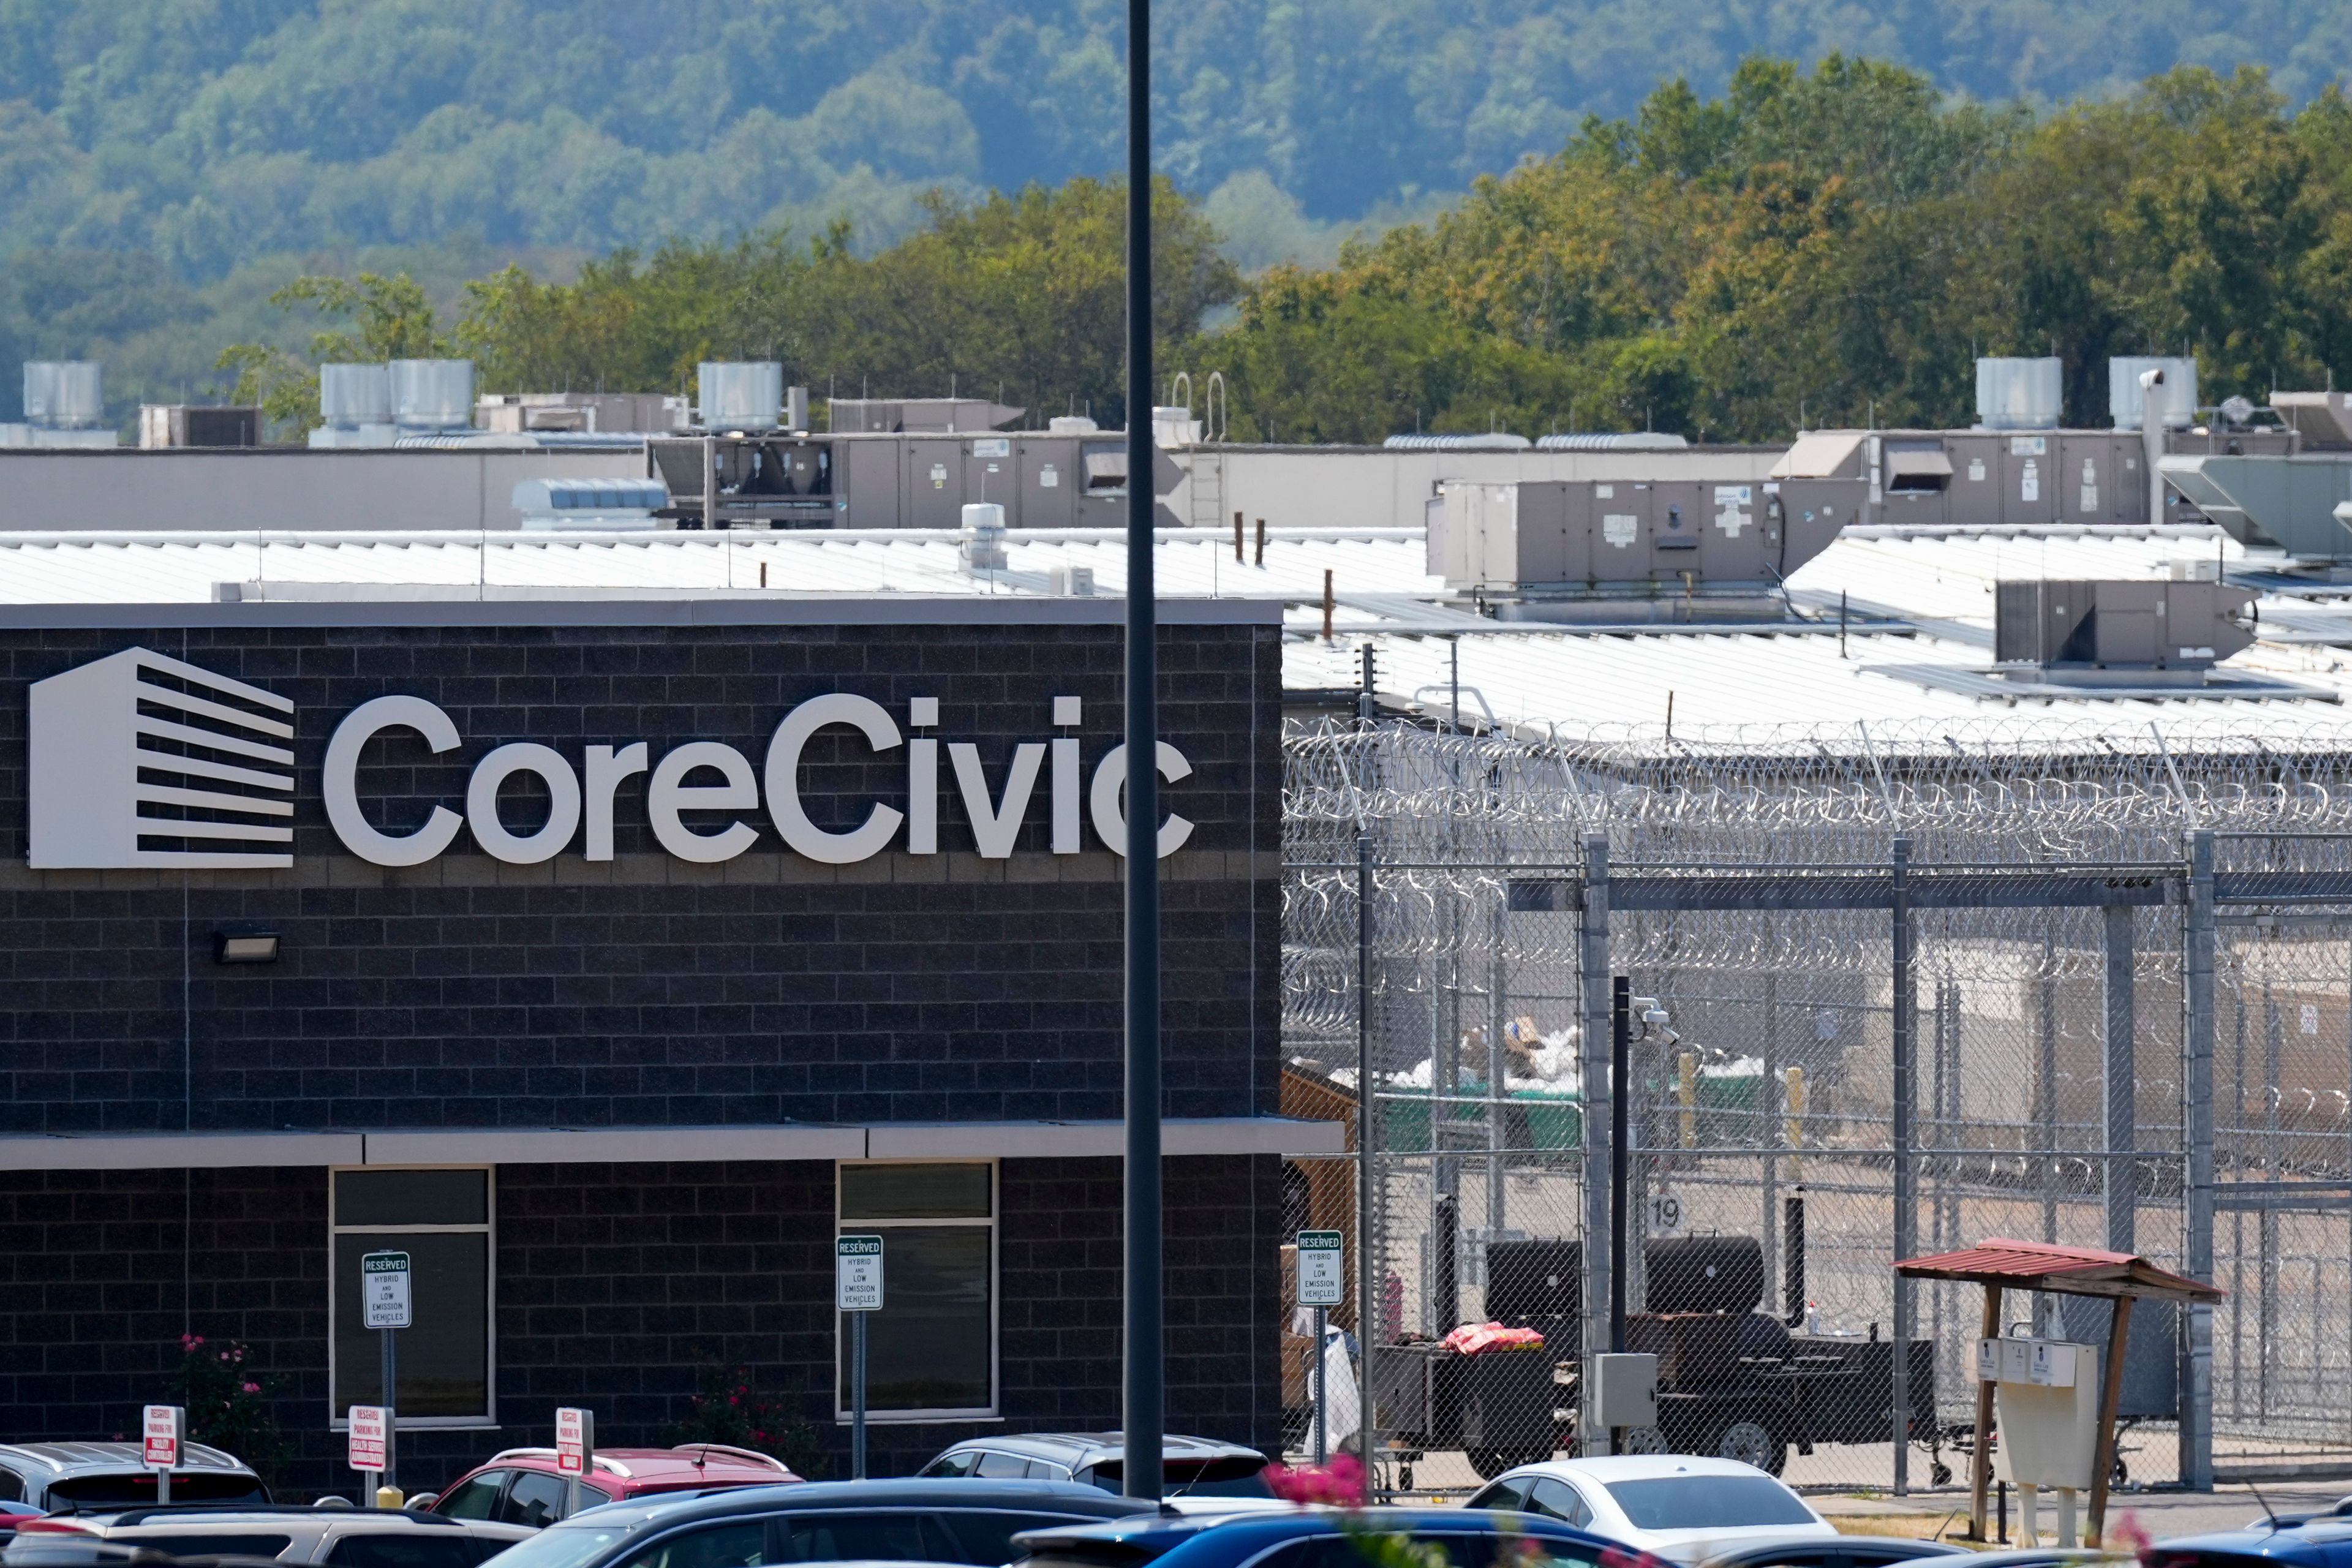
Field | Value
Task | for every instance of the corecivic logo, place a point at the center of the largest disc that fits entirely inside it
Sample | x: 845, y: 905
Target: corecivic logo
x: 114, y: 741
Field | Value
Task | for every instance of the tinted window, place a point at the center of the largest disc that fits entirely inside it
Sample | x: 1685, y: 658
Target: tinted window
x: 408, y: 1549
x: 476, y: 1498
x: 738, y: 1545
x: 534, y: 1499
x: 207, y: 1545
x: 1462, y: 1551
x: 1816, y: 1557
x: 139, y: 1486
x: 412, y: 1197
x: 1708, y: 1503
x: 1195, y: 1478
x: 930, y: 1347
x: 914, y: 1192
x: 956, y: 1464
x: 994, y: 1467
x: 985, y: 1535
x: 12, y: 1486
x: 1510, y: 1492
x: 1548, y: 1494
x: 445, y: 1359
x: 840, y: 1536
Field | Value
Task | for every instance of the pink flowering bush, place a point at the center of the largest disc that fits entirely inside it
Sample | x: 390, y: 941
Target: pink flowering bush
x: 1339, y: 1484
x: 230, y: 1402
x: 729, y: 1407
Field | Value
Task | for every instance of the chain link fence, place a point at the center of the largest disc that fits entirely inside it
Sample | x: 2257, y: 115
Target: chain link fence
x: 1782, y: 1151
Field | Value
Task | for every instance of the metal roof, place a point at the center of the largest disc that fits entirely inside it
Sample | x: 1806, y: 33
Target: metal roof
x: 1914, y: 600
x: 2067, y: 1270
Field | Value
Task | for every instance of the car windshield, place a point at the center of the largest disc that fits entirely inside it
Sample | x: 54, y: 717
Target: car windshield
x: 87, y: 1492
x: 1708, y: 1503
x: 559, y: 1546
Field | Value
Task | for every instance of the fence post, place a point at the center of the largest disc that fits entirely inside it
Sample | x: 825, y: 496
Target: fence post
x: 1594, y: 1076
x: 2197, y: 1342
x: 1907, y: 1187
x: 1367, y: 1322
x: 2122, y: 1177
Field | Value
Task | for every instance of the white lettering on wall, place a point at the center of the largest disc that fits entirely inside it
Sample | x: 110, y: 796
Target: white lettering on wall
x: 562, y: 821
x: 784, y: 782
x: 341, y: 783
x: 711, y: 777
x: 1107, y: 799
x: 669, y: 793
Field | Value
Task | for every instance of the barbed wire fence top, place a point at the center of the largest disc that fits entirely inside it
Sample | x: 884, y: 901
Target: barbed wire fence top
x: 1779, y: 1083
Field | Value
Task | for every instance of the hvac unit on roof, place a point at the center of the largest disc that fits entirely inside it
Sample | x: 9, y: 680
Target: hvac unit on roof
x: 2019, y: 393
x: 63, y: 395
x: 2134, y: 631
x: 432, y: 393
x: 741, y: 394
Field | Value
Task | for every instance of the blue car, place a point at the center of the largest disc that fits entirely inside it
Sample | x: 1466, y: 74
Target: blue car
x: 1315, y: 1538
x: 2304, y: 1541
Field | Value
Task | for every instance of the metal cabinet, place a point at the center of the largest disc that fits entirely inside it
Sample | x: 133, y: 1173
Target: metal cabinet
x: 932, y: 493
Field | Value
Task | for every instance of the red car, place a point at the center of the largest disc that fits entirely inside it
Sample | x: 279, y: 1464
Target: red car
x: 522, y: 1486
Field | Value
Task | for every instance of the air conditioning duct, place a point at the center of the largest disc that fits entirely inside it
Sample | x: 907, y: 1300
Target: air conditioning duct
x: 741, y: 394
x: 2019, y: 393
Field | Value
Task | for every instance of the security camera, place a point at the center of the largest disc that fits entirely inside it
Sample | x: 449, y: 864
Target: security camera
x: 1654, y: 1013
x: 1667, y: 1037
x: 1645, y: 1006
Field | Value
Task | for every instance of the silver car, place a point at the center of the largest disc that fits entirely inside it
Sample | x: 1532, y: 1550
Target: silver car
x: 328, y: 1537
x: 73, y: 1478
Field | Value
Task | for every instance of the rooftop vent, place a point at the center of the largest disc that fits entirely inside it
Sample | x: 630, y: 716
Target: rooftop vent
x: 431, y: 394
x: 741, y: 394
x: 1613, y: 441
x: 63, y: 395
x: 1491, y: 441
x: 2176, y: 399
x: 2019, y: 393
x: 599, y: 505
x: 918, y: 415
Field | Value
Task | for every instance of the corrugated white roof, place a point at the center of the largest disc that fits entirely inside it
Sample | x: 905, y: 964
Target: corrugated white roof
x: 1942, y: 580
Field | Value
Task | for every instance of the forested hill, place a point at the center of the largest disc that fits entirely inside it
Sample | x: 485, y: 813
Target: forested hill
x: 206, y: 134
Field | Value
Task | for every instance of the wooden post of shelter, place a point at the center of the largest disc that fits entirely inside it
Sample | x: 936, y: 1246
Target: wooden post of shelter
x: 2000, y: 1264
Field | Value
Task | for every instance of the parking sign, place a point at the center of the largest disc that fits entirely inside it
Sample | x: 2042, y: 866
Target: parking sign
x: 383, y: 1289
x: 857, y: 1273
x: 161, y: 1426
x: 367, y: 1437
x: 1322, y: 1273
x: 576, y: 1442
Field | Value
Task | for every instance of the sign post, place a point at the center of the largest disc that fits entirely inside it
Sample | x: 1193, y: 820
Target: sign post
x: 370, y: 1441
x: 575, y: 1453
x: 858, y: 1290
x: 1322, y: 1285
x: 384, y: 1306
x: 161, y: 1429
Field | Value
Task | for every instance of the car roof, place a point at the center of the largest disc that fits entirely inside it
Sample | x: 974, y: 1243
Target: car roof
x: 1608, y: 1468
x: 1762, y: 1551
x: 248, y: 1513
x: 2014, y: 1554
x: 800, y: 1496
x: 85, y: 1458
x: 1076, y: 1448
x: 657, y: 1463
x: 1154, y: 1533
x: 2286, y: 1541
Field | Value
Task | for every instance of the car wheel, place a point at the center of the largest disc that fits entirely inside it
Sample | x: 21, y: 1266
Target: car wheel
x: 1643, y: 1440
x: 1749, y: 1443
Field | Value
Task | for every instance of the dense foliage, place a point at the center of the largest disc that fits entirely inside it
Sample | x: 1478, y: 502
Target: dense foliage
x: 229, y: 1401
x: 1831, y: 245
x: 211, y: 132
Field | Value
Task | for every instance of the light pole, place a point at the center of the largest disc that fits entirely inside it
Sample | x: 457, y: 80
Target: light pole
x: 1145, y: 1414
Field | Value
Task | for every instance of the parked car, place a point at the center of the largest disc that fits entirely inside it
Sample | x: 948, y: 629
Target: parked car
x: 522, y: 1486
x: 1189, y: 1467
x: 64, y: 1477
x: 12, y: 1514
x: 1845, y: 1551
x: 970, y: 1521
x: 2030, y: 1557
x: 1680, y: 1506
x: 1318, y: 1538
x: 2322, y: 1540
x: 334, y: 1536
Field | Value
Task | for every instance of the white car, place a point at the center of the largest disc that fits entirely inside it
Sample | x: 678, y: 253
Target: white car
x: 1675, y: 1505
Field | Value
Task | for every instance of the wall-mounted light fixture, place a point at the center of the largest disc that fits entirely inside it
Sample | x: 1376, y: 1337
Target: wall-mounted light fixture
x: 245, y: 944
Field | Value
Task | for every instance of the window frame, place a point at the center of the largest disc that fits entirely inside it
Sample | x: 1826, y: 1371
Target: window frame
x: 339, y: 1420
x: 993, y: 1224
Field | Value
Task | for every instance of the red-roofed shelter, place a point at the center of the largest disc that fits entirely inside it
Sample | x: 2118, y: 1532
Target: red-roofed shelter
x: 2001, y: 1264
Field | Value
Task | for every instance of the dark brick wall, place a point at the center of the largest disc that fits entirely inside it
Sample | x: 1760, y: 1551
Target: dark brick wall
x: 534, y: 997
x: 613, y: 1280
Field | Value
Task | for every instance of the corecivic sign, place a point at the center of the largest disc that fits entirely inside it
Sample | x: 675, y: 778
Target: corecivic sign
x: 94, y: 766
